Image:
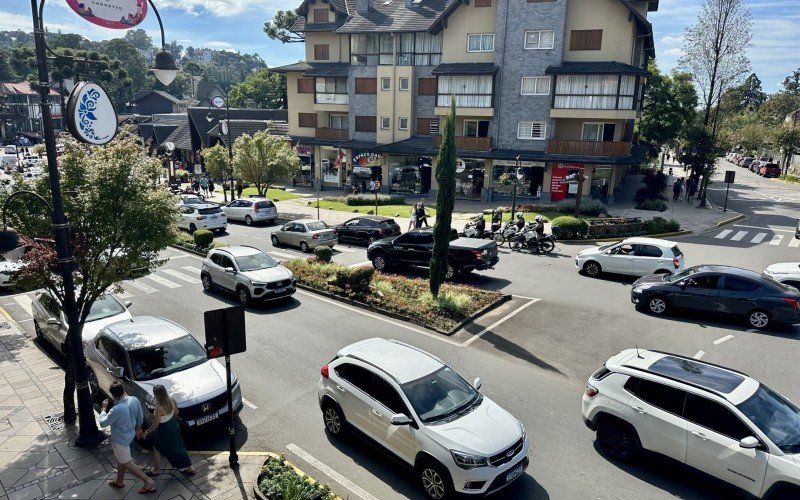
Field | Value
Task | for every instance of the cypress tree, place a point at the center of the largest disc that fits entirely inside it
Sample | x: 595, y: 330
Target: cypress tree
x: 445, y: 199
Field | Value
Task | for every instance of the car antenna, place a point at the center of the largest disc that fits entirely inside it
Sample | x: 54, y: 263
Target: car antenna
x: 637, y: 352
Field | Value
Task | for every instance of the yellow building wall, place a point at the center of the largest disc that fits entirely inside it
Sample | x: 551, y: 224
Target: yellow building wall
x: 338, y: 45
x: 298, y: 103
x: 610, y: 16
x: 386, y: 105
x: 319, y: 5
x: 468, y: 19
x: 404, y: 100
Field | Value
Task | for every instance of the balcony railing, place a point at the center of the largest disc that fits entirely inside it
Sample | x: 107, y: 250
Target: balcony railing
x: 467, y: 143
x: 589, y: 148
x: 333, y: 134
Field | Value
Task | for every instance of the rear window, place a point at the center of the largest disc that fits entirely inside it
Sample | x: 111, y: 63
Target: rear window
x: 770, y: 165
x: 207, y: 211
x: 390, y: 224
x: 264, y: 204
x: 676, y: 251
x: 316, y: 226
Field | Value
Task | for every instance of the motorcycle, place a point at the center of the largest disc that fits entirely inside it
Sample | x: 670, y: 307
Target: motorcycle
x: 471, y: 230
x: 505, y: 234
x: 527, y: 239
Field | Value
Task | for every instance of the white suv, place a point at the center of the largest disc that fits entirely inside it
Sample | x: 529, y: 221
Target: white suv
x: 205, y: 216
x: 419, y: 409
x: 633, y: 256
x: 714, y: 419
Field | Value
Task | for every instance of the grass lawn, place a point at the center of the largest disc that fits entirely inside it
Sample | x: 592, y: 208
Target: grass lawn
x: 272, y: 194
x: 385, y: 210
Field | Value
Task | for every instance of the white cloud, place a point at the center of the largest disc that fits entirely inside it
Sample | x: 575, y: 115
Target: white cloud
x: 223, y: 8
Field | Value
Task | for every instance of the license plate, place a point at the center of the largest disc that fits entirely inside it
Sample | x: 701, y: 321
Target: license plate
x: 207, y: 418
x: 280, y: 290
x: 515, y: 472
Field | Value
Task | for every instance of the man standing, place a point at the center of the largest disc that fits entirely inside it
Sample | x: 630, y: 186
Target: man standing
x: 422, y: 217
x: 125, y: 420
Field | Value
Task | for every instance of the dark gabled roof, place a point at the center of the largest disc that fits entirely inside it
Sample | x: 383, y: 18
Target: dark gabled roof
x: 201, y: 126
x: 181, y: 137
x: 298, y: 66
x: 146, y: 131
x: 144, y: 93
x: 395, y: 17
x: 327, y: 69
x: 301, y: 26
x: 249, y: 127
x: 205, y: 87
x: 595, y: 68
x: 644, y: 25
x: 465, y: 69
x: 161, y: 131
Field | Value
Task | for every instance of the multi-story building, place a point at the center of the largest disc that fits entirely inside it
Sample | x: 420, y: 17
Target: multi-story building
x: 21, y: 115
x: 543, y: 89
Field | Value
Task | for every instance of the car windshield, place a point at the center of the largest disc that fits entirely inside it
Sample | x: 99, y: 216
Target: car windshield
x: 105, y: 307
x: 681, y: 275
x: 606, y: 247
x: 777, y: 417
x: 160, y: 360
x: 192, y: 200
x: 255, y: 262
x: 316, y: 226
x: 440, y: 395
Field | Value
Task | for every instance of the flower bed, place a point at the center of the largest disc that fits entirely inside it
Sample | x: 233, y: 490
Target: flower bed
x: 409, y: 298
x: 280, y: 480
x: 615, y: 227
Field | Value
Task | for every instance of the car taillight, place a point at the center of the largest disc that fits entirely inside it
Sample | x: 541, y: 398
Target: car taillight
x: 676, y: 262
x: 591, y: 390
x: 792, y: 302
x: 478, y: 253
x: 315, y: 237
x: 324, y: 371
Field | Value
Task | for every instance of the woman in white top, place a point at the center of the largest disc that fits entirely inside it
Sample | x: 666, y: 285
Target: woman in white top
x: 413, y: 222
x: 168, y: 441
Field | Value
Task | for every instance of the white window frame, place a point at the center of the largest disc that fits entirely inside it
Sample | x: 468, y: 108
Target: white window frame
x: 481, y: 49
x: 539, y: 45
x: 407, y: 83
x: 538, y: 79
x: 386, y: 122
x: 400, y: 123
x: 386, y: 84
x: 543, y: 129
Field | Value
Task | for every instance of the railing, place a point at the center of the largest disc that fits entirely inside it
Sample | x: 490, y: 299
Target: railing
x: 589, y: 148
x: 467, y: 143
x: 323, y: 98
x: 334, y: 134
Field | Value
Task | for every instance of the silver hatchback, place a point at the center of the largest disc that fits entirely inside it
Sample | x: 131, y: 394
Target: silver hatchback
x: 250, y: 211
x: 248, y: 272
x: 306, y: 234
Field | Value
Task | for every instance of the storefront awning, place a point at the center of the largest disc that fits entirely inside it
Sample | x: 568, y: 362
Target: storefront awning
x: 465, y: 69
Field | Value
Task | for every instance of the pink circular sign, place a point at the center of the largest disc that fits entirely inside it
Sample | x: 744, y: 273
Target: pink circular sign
x: 114, y: 14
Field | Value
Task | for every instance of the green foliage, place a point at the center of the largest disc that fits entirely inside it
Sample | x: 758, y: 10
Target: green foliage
x: 569, y: 227
x: 446, y: 179
x: 203, y: 238
x: 217, y: 162
x: 791, y: 84
x: 182, y: 174
x: 659, y: 225
x: 367, y: 199
x: 131, y: 59
x: 263, y: 159
x: 454, y: 302
x: 140, y: 39
x: 778, y: 105
x: 616, y: 227
x: 353, y: 280
x: 655, y: 183
x: 278, y: 480
x: 659, y: 205
x: 670, y: 104
x: 278, y: 27
x: 323, y: 254
x: 22, y: 60
x: 588, y: 207
x: 266, y: 89
x: 795, y: 179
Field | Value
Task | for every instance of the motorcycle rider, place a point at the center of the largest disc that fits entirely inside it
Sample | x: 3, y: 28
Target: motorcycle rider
x: 480, y: 226
x: 520, y: 222
x: 539, y: 228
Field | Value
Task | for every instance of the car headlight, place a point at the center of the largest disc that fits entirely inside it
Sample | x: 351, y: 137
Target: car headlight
x: 469, y: 461
x: 637, y: 289
x: 522, y: 429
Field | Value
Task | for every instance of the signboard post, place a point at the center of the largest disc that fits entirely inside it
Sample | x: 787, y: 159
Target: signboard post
x: 225, y: 335
x: 730, y: 175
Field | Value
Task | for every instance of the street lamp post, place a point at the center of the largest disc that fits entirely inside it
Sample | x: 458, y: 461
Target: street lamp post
x: 515, y: 180
x: 226, y: 125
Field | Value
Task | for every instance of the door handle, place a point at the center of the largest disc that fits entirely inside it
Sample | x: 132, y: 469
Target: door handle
x: 639, y: 410
x: 340, y: 388
x: 700, y: 435
x: 377, y: 413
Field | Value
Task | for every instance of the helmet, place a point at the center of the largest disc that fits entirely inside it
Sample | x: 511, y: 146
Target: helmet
x: 520, y: 216
x: 539, y: 218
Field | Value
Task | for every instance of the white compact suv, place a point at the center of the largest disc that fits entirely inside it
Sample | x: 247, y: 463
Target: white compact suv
x: 419, y: 409
x: 633, y: 256
x: 204, y: 216
x: 714, y: 419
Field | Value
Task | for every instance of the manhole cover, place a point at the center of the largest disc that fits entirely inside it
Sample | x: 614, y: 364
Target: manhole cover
x: 55, y: 421
x: 5, y: 325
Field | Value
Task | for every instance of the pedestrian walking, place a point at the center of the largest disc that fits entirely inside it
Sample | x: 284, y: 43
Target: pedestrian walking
x: 363, y: 186
x: 211, y: 186
x: 691, y: 189
x: 239, y: 188
x: 196, y: 185
x: 422, y: 217
x: 204, y: 185
x: 676, y: 189
x: 412, y: 223
x: 372, y: 186
x: 670, y: 178
x: 168, y: 442
x: 125, y: 420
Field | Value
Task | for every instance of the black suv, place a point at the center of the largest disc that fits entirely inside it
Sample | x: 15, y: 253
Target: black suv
x: 366, y: 229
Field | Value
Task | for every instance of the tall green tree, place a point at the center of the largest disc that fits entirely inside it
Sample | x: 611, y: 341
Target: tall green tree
x: 267, y: 89
x: 216, y: 162
x: 777, y: 106
x: 22, y: 60
x: 131, y: 59
x: 791, y: 84
x: 751, y: 94
x: 670, y: 102
x: 140, y: 39
x: 263, y: 160
x: 278, y: 28
x: 445, y: 201
x: 786, y: 139
x: 120, y: 220
x: 6, y: 74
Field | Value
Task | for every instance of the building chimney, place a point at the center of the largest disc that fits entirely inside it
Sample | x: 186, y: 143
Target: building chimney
x: 363, y: 6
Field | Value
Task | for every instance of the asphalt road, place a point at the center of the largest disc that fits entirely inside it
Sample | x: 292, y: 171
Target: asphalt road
x: 534, y: 363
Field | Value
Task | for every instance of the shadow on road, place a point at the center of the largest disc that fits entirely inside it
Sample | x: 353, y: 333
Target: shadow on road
x: 730, y: 322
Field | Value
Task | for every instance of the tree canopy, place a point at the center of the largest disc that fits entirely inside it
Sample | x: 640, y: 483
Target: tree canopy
x: 216, y: 162
x: 278, y: 27
x: 263, y: 160
x: 670, y: 102
x: 266, y: 89
x: 445, y: 200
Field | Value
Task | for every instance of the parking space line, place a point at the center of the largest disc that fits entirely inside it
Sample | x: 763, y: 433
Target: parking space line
x: 723, y: 339
x: 181, y: 276
x: 284, y: 255
x: 723, y: 233
x: 141, y: 286
x: 163, y: 281
x: 776, y: 240
x: 794, y: 243
x: 194, y: 269
x: 25, y: 302
x: 758, y: 238
x: 699, y: 354
x: 739, y: 235
x: 499, y: 322
x: 249, y: 404
x: 350, y: 485
x: 359, y: 264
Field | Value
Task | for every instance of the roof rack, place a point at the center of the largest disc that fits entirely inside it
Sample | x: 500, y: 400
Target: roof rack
x: 359, y: 358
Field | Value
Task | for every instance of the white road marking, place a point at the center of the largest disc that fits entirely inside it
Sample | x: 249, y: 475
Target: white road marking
x: 794, y: 243
x: 350, y: 485
x: 758, y: 238
x: 723, y: 339
x: 739, y: 235
x: 723, y: 233
x: 194, y: 269
x: 181, y: 276
x: 25, y: 302
x: 124, y: 294
x: 179, y: 256
x: 776, y: 240
x: 141, y: 286
x: 249, y: 404
x: 500, y: 321
x: 768, y: 228
x: 25, y: 320
x: 284, y: 255
x: 699, y: 354
x: 163, y: 281
x: 369, y: 262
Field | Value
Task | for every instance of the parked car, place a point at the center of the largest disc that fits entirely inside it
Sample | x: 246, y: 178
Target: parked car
x: 745, y: 162
x: 146, y: 351
x: 306, y: 234
x: 419, y: 409
x: 720, y: 289
x: 190, y: 199
x: 754, y: 166
x: 10, y: 149
x: 415, y: 248
x: 7, y: 270
x: 202, y: 216
x: 714, y: 419
x: 769, y: 170
x: 248, y: 272
x: 366, y: 229
x: 632, y: 256
x: 50, y: 322
x: 251, y: 210
x: 787, y: 273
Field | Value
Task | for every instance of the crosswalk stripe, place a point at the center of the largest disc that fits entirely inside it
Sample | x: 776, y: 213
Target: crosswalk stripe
x: 141, y: 286
x: 25, y: 302
x: 124, y: 294
x: 193, y: 269
x: 738, y: 236
x: 794, y: 243
x: 776, y: 240
x: 163, y: 281
x: 181, y: 276
x: 723, y: 233
x: 758, y: 238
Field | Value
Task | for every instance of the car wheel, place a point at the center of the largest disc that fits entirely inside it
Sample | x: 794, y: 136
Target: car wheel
x: 304, y: 247
x: 192, y: 228
x: 758, y: 318
x: 334, y: 419
x: 380, y: 262
x: 451, y: 272
x: 592, y: 269
x: 208, y: 285
x: 617, y: 440
x: 243, y: 295
x: 248, y: 220
x: 657, y: 305
x: 435, y: 480
x: 275, y: 241
x: 94, y: 387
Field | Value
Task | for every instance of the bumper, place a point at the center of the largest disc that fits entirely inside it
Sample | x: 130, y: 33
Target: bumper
x: 487, y: 480
x: 204, y: 421
x: 487, y: 264
x: 323, y: 243
x: 786, y: 315
x: 636, y: 297
x: 265, y: 218
x: 216, y: 224
x: 261, y: 293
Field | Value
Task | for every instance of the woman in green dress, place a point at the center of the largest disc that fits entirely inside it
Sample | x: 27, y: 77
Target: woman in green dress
x: 168, y: 441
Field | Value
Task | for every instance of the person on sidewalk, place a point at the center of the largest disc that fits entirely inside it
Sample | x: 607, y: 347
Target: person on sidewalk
x: 412, y: 223
x: 211, y: 186
x: 670, y: 178
x: 676, y: 189
x: 691, y: 189
x: 168, y: 441
x: 125, y: 420
x: 422, y: 217
x: 239, y: 188
x: 204, y: 185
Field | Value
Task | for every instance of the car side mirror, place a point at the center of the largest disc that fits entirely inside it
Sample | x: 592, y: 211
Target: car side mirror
x: 401, y: 419
x: 128, y: 303
x: 477, y: 383
x: 53, y: 321
x: 230, y: 270
x: 118, y: 371
x: 749, y: 443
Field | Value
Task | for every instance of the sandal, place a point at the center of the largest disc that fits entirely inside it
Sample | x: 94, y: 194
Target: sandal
x: 187, y: 472
x: 149, y: 472
x: 116, y: 485
x: 145, y: 490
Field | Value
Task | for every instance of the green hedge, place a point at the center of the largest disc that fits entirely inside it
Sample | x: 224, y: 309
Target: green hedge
x: 353, y: 279
x: 366, y: 199
x: 661, y: 225
x: 588, y: 207
x: 615, y: 228
x: 659, y: 205
x: 279, y: 480
x: 203, y: 238
x: 323, y: 254
x: 569, y: 227
x: 655, y: 183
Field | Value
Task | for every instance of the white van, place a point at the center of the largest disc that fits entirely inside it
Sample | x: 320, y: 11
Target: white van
x: 11, y: 149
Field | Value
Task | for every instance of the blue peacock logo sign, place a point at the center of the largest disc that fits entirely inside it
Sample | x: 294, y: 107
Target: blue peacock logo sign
x: 91, y: 115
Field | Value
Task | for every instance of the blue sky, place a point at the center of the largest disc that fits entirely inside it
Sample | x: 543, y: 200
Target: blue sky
x: 225, y: 24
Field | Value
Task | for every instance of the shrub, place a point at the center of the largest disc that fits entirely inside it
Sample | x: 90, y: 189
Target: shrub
x: 353, y: 279
x: 203, y: 238
x: 454, y: 302
x: 655, y: 182
x: 182, y: 174
x: 570, y: 227
x: 367, y: 199
x: 323, y: 254
x: 588, y: 207
x: 278, y: 479
x: 659, y: 205
x: 615, y: 228
x: 661, y: 225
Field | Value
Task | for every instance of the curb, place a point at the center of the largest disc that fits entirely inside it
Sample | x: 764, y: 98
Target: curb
x: 11, y: 320
x: 184, y: 249
x: 605, y: 240
x: 731, y: 220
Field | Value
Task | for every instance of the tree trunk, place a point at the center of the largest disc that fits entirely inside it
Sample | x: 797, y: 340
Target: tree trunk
x: 70, y: 413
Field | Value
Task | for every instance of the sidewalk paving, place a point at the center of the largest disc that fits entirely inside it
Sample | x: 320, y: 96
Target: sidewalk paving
x: 38, y: 457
